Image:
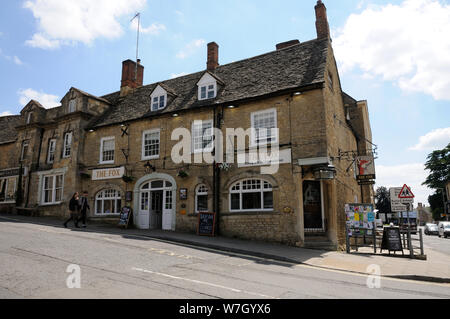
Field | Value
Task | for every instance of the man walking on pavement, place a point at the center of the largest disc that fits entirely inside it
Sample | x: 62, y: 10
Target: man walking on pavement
x: 84, y: 206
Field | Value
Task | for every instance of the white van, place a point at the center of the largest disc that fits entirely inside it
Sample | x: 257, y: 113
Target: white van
x: 444, y: 229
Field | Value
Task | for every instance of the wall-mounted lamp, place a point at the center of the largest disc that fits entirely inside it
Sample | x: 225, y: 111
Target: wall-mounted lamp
x: 91, y: 131
x: 149, y: 167
x: 297, y: 93
x: 176, y: 115
x: 231, y: 107
x: 324, y: 173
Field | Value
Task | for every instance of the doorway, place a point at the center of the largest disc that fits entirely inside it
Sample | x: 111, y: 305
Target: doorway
x: 156, y: 205
x: 313, y: 206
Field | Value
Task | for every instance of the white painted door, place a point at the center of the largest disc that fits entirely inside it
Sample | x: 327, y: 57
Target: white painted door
x: 167, y: 210
x: 144, y: 211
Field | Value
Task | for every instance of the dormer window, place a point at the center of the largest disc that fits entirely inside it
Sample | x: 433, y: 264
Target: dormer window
x: 208, y: 92
x: 159, y: 99
x: 207, y: 87
x: 159, y: 102
x: 72, y: 106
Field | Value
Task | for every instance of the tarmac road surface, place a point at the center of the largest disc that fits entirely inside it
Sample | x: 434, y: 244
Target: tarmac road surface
x: 34, y: 260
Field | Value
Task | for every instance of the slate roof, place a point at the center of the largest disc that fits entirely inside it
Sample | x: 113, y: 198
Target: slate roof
x: 290, y: 68
x: 8, y: 133
x: 287, y: 69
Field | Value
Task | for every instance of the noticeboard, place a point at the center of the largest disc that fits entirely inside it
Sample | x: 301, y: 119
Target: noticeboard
x: 125, y: 215
x: 360, y: 219
x: 206, y: 224
x: 391, y: 239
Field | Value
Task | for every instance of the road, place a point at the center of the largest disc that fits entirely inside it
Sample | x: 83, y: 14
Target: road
x: 441, y: 245
x: 34, y: 259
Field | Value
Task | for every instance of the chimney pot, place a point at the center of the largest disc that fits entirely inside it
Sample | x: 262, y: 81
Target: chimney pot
x: 213, y: 56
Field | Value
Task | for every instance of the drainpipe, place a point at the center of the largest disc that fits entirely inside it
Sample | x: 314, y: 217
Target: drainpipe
x: 216, y: 173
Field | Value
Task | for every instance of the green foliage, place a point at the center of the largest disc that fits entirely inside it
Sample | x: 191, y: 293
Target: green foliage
x: 438, y: 163
x: 383, y: 200
x: 437, y: 205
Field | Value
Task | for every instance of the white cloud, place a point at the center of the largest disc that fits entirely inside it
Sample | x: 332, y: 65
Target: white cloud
x: 190, y: 48
x: 7, y: 113
x: 14, y: 59
x: 17, y: 60
x: 412, y: 175
x: 154, y: 29
x: 407, y: 44
x: 47, y: 100
x: 66, y: 22
x: 435, y: 140
x: 177, y: 75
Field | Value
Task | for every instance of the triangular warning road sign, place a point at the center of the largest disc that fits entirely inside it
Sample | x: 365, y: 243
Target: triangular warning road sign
x: 406, y: 192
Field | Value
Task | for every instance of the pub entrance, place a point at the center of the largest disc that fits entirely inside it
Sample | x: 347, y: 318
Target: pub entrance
x: 156, y: 205
x: 313, y: 207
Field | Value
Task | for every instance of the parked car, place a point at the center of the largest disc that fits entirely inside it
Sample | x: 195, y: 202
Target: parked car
x: 444, y: 229
x: 431, y: 229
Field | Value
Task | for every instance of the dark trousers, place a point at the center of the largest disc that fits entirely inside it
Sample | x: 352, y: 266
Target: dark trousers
x: 74, y: 218
x: 83, y: 217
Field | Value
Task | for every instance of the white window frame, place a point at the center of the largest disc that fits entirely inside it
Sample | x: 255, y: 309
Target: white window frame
x: 67, y: 146
x: 7, y: 186
x: 241, y: 191
x: 103, y: 198
x: 158, y: 102
x: 102, y: 143
x: 72, y: 106
x: 208, y: 90
x: 30, y: 114
x: 148, y: 132
x: 254, y: 142
x: 23, y: 154
x: 195, y: 124
x: 51, y: 151
x: 53, y: 189
x: 201, y: 193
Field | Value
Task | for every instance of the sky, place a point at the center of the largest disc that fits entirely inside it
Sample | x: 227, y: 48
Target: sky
x: 394, y: 54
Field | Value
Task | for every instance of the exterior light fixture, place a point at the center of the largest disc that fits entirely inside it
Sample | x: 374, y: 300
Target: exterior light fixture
x: 324, y: 173
x: 149, y: 167
x: 231, y: 106
x: 298, y: 93
x: 176, y: 115
x: 91, y: 131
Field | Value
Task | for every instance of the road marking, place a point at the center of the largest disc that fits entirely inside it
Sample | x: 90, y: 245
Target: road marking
x: 203, y: 283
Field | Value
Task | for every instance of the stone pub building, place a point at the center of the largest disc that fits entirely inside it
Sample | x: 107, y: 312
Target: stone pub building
x: 118, y: 147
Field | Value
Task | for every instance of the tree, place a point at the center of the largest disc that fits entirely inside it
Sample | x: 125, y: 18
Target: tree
x: 383, y: 201
x: 438, y: 163
x: 436, y: 204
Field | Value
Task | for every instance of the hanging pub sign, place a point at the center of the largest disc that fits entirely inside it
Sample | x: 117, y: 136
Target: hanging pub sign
x: 365, y: 168
x: 206, y: 224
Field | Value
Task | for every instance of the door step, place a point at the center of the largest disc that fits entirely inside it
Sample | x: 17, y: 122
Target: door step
x: 320, y: 242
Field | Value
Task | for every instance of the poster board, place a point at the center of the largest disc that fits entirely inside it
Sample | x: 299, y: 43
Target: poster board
x: 360, y: 219
x: 391, y: 239
x: 125, y: 215
x: 206, y: 224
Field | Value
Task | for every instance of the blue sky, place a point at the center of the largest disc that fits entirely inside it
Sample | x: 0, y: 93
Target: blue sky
x: 392, y: 53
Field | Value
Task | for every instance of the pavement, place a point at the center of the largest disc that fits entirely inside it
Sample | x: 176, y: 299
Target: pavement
x: 435, y: 269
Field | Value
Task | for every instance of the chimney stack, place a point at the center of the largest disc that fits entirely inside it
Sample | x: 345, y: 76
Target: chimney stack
x: 322, y: 26
x: 130, y: 80
x: 213, y: 56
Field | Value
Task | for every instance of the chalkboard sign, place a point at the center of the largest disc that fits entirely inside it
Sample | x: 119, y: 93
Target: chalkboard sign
x: 125, y: 216
x: 391, y: 239
x: 206, y: 224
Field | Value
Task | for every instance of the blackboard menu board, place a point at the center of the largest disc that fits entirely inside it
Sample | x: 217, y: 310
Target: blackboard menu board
x: 391, y: 239
x: 206, y: 224
x: 125, y: 215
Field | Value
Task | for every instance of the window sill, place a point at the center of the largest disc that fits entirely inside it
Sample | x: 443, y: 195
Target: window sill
x: 50, y: 204
x: 250, y: 213
x: 150, y: 158
x: 7, y: 202
x: 106, y: 163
